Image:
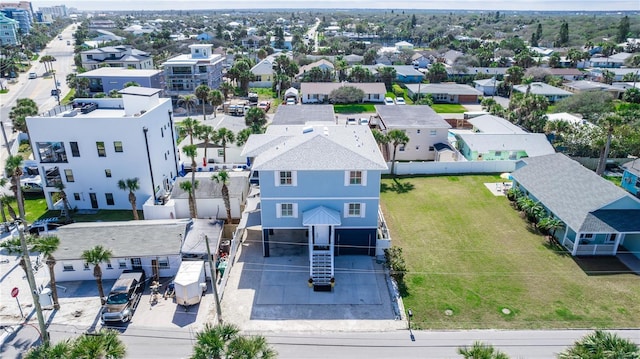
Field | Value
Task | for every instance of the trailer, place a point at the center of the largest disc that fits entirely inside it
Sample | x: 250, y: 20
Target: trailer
x: 190, y: 283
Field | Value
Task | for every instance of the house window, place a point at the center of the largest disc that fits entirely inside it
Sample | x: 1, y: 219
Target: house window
x: 286, y: 178
x: 355, y: 177
x: 69, y: 175
x: 67, y: 267
x: 76, y: 196
x: 163, y: 263
x: 498, y: 154
x: 161, y: 132
x: 101, y: 150
x: 354, y: 209
x: 220, y: 153
x: 638, y: 183
x: 136, y: 263
x: 75, y: 151
x: 433, y: 132
x: 109, y: 266
x: 431, y: 149
x: 286, y: 210
x: 117, y: 146
x: 418, y: 131
x: 109, y: 197
x: 107, y: 173
x: 122, y: 263
x: 401, y: 148
x: 85, y: 266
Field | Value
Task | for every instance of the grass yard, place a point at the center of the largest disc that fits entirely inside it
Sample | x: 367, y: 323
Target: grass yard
x: 470, y: 252
x: 448, y: 108
x: 354, y: 108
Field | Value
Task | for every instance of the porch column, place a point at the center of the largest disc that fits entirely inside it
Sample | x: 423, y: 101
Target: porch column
x: 619, y: 238
x: 265, y: 242
x: 576, y: 243
x: 564, y: 237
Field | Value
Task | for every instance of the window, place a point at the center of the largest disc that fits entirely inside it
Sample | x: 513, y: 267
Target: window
x: 76, y: 196
x: 418, y: 131
x: 433, y: 132
x: 163, y: 263
x: 66, y: 267
x: 69, y: 175
x: 401, y: 148
x: 75, y: 152
x: 220, y: 153
x: 86, y: 266
x: 101, y: 150
x: 117, y: 146
x: 498, y: 154
x: 109, y: 266
x: 51, y: 152
x: 122, y: 263
x: 109, y: 197
x: 354, y: 209
x: 287, y: 210
x: 107, y: 173
x: 136, y: 263
x: 355, y: 177
x: 286, y: 178
x: 431, y: 149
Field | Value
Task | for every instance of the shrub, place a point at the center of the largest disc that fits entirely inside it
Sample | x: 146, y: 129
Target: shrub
x: 397, y: 90
x: 24, y: 147
x: 395, y: 263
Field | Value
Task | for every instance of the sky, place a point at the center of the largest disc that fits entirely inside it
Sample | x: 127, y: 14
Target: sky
x: 555, y: 5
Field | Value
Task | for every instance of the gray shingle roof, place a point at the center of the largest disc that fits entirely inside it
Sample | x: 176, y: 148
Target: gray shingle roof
x: 446, y: 88
x: 494, y: 124
x: 575, y: 194
x: 419, y: 116
x: 124, y: 239
x: 540, y: 88
x: 324, y: 148
x: 301, y: 114
x: 325, y: 88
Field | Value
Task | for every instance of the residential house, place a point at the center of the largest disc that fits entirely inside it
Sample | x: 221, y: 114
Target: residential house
x: 552, y: 93
x: 287, y: 45
x: 599, y: 218
x: 318, y: 92
x: 446, y: 92
x: 116, y: 56
x: 321, y: 182
x: 150, y: 245
x: 567, y: 74
x: 301, y: 114
x: 102, y: 24
x: 477, y: 72
x: 631, y: 177
x: 263, y: 73
x: 137, y: 29
x: 353, y: 59
x: 321, y: 64
x: 488, y: 87
x: 607, y: 62
x: 92, y: 144
x: 618, y: 74
x: 420, y: 61
x: 106, y: 79
x: 8, y: 31
x: 585, y: 85
x: 404, y: 73
x: 205, y: 36
x: 184, y: 73
x: 450, y: 56
x: 493, y: 124
x: 403, y: 45
x: 424, y: 127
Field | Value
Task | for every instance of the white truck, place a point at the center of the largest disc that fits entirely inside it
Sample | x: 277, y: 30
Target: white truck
x: 190, y: 283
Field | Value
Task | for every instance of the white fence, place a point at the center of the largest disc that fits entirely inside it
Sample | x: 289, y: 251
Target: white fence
x: 436, y: 168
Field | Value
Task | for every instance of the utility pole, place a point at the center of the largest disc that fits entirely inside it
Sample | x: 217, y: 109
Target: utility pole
x: 213, y: 280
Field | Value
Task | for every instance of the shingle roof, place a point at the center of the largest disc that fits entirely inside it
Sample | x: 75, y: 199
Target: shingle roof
x: 301, y: 114
x: 419, y: 116
x: 123, y: 239
x: 264, y: 67
x: 322, y: 148
x: 534, y: 144
x: 448, y: 88
x: 575, y: 194
x: 540, y: 88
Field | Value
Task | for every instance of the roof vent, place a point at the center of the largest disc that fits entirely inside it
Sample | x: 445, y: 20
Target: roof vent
x: 326, y: 131
x: 307, y: 129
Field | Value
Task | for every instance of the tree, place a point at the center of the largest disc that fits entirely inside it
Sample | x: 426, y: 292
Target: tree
x: 47, y: 246
x: 528, y: 111
x: 47, y: 60
x: 632, y: 95
x: 189, y: 102
x: 131, y: 185
x: 61, y: 350
x: 437, y: 73
x: 226, y: 88
x: 241, y: 73
x: 284, y: 69
x: 65, y: 202
x: 360, y: 74
x: 623, y: 29
x: 207, y: 134
x: 24, y: 107
x: 255, y: 118
x: 480, y: 350
x: 346, y: 94
x: 202, y: 94
x: 396, y: 138
x: 225, y: 341
x: 382, y: 140
x: 95, y: 257
x: 189, y: 127
x: 590, y: 104
x: 191, y: 151
x: 216, y: 98
x: 223, y: 178
x: 563, y: 35
x: 13, y: 169
x: 105, y: 345
x: 601, y: 345
x: 387, y: 75
x: 515, y: 75
x: 223, y: 137
x: 609, y: 123
x: 242, y: 136
x: 550, y: 224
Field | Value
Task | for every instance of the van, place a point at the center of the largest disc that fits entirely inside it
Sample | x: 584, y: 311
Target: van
x: 124, y: 297
x: 33, y: 75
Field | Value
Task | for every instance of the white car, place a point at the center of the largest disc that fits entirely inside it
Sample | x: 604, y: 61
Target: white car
x: 363, y: 121
x: 388, y: 101
x: 400, y: 101
x: 291, y: 101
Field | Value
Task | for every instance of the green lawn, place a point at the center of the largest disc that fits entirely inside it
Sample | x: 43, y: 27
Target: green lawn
x: 470, y: 252
x: 448, y: 108
x: 354, y: 108
x: 35, y: 207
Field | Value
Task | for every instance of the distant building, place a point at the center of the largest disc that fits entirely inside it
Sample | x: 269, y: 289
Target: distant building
x: 184, y: 73
x: 106, y: 79
x: 8, y: 31
x: 116, y: 56
x: 23, y: 16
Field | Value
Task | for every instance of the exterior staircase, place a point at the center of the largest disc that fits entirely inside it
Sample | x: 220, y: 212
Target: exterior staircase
x: 322, y: 270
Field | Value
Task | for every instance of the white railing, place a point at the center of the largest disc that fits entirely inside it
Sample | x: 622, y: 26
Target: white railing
x: 595, y: 249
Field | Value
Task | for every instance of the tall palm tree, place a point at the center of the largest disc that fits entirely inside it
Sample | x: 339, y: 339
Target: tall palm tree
x: 225, y: 341
x: 208, y: 135
x: 202, y: 94
x: 224, y: 136
x: 189, y: 102
x: 216, y: 98
x: 610, y: 123
x: 223, y: 178
x: 131, y: 185
x: 191, y: 189
x: 189, y: 127
x: 396, y: 138
x: 480, y: 350
x: 382, y: 140
x: 95, y: 257
x: 65, y: 202
x: 13, y: 168
x: 47, y: 246
x: 601, y: 345
x: 105, y: 345
x: 226, y: 89
x: 191, y: 151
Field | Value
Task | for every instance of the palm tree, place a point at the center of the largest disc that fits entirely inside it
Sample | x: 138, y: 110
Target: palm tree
x: 189, y: 127
x: 223, y: 177
x: 131, y: 185
x: 65, y: 202
x: 189, y: 102
x: 223, y: 137
x: 381, y: 140
x: 61, y: 350
x: 191, y: 151
x: 202, y: 94
x: 225, y: 341
x: 47, y: 60
x: 480, y: 350
x: 105, y: 345
x: 206, y: 134
x: 47, y: 246
x: 550, y: 224
x: 601, y: 345
x: 242, y: 136
x: 13, y: 168
x: 95, y: 257
x: 255, y: 118
x: 610, y: 122
x: 216, y: 98
x: 226, y: 88
x: 396, y: 137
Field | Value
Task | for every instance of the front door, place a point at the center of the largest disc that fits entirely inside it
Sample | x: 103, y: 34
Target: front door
x: 94, y: 200
x: 155, y: 269
x: 321, y: 236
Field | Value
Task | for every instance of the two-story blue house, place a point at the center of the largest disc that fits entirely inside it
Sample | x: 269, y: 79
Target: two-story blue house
x: 321, y: 181
x: 631, y: 177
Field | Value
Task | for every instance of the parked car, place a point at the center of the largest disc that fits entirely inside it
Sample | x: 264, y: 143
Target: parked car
x: 68, y: 42
x: 388, y: 101
x: 351, y: 121
x: 264, y: 105
x: 44, y: 227
x: 124, y: 297
x: 291, y: 101
x: 363, y: 121
x: 33, y: 75
x: 400, y: 101
x: 54, y: 92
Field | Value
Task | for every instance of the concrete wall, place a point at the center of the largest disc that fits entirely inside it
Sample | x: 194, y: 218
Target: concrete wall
x: 79, y: 272
x: 443, y: 168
